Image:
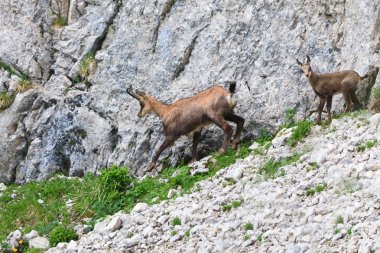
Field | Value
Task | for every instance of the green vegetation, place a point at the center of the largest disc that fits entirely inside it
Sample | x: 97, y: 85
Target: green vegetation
x: 260, y: 238
x: 176, y: 221
x: 301, y: 130
x: 95, y: 197
x: 317, y: 189
x: 289, y: 118
x: 5, y: 100
x: 246, y: 237
x: 87, y: 64
x: 337, y: 231
x: 264, y: 137
x: 59, y: 22
x: 187, y: 234
x: 174, y: 232
x: 24, y: 85
x: 234, y: 204
x: 272, y: 168
x: 339, y: 220
x: 62, y: 234
x: 367, y: 145
x: 248, y: 226
x: 376, y: 92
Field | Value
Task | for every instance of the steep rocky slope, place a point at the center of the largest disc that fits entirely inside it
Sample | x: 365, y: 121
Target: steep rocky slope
x: 326, y: 201
x: 79, y: 120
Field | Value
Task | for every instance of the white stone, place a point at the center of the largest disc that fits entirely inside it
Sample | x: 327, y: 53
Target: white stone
x: 3, y: 187
x: 140, y: 207
x: 32, y: 234
x: 39, y: 242
x: 115, y: 224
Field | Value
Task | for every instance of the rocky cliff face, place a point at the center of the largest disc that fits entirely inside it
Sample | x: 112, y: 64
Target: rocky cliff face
x: 79, y: 120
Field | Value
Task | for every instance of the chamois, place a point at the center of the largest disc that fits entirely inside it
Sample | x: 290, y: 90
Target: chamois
x: 326, y: 86
x: 189, y: 115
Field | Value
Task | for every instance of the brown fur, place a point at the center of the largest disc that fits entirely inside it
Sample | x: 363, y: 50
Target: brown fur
x: 189, y: 115
x: 326, y: 86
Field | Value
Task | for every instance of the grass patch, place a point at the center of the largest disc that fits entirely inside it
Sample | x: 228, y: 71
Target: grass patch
x: 272, y: 168
x: 317, y: 189
x: 176, y: 221
x: 59, y: 22
x: 367, y: 145
x: 234, y: 204
x: 301, y: 130
x: 376, y: 92
x: 87, y: 64
x: 24, y: 85
x: 248, y: 226
x: 339, y: 220
x: 62, y: 234
x: 289, y: 118
x: 6, y: 100
x: 264, y: 137
x: 95, y: 197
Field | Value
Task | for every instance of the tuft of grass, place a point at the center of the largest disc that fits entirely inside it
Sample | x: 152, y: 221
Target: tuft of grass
x: 176, y: 221
x: 264, y: 137
x: 246, y: 237
x: 24, y: 85
x: 248, y: 226
x: 376, y: 92
x: 87, y: 64
x: 187, y: 234
x: 226, y: 208
x: 301, y: 130
x: 337, y: 231
x: 6, y: 100
x: 339, y: 220
x: 174, y: 232
x: 272, y: 168
x: 289, y: 118
x: 62, y: 234
x: 320, y: 187
x: 236, y: 203
x: 367, y: 145
x: 260, y: 238
x: 59, y: 22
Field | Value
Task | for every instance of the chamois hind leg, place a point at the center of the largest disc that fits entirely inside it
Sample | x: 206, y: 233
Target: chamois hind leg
x: 347, y: 101
x: 355, y: 100
x: 329, y: 102
x: 222, y: 123
x: 239, y: 128
x: 194, y: 152
x: 322, y: 102
x: 169, y: 140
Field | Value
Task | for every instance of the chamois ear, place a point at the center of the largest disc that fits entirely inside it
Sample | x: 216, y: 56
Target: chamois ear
x: 308, y: 59
x: 131, y: 93
x: 140, y: 93
x: 298, y: 62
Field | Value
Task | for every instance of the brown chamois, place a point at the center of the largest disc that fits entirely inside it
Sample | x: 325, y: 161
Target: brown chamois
x: 189, y: 115
x: 326, y: 86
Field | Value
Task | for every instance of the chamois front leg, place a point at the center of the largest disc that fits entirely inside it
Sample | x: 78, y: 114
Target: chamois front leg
x: 167, y: 142
x: 194, y: 153
x: 239, y: 128
x: 322, y: 102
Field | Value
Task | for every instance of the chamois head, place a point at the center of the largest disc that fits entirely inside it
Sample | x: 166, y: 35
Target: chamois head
x: 145, y: 105
x: 305, y: 67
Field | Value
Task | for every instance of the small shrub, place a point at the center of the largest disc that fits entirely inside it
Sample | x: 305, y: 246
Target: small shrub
x: 226, y: 208
x: 369, y: 144
x: 310, y: 192
x: 339, y: 220
x: 246, y: 237
x: 349, y: 232
x: 236, y: 203
x: 62, y: 234
x: 187, y: 233
x: 176, y: 221
x: 301, y: 131
x: 320, y: 188
x: 87, y: 64
x: 248, y: 226
x: 24, y: 85
x: 59, y: 22
x: 5, y: 100
x: 115, y: 178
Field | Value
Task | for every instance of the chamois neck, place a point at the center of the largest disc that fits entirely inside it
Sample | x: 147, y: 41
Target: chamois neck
x: 313, y: 78
x: 158, y: 107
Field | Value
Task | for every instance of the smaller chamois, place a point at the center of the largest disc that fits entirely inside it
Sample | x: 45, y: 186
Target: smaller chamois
x: 189, y: 115
x: 326, y: 86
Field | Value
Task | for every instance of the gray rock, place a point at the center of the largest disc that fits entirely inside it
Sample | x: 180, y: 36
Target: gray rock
x: 2, y: 187
x: 115, y: 224
x: 32, y: 234
x: 140, y: 207
x: 39, y: 242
